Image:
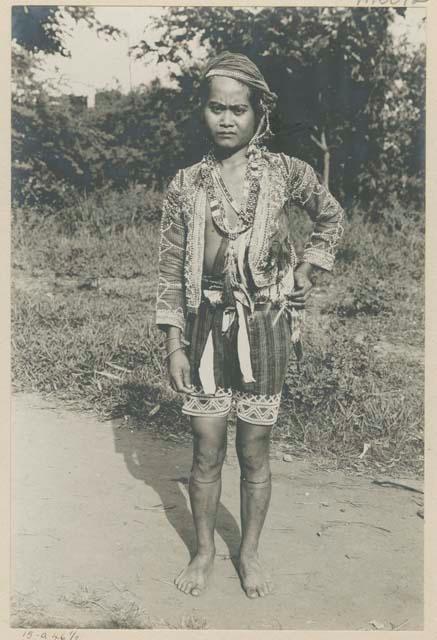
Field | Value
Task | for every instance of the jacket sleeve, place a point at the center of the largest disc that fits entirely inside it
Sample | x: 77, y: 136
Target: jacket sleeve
x: 326, y: 213
x: 170, y: 299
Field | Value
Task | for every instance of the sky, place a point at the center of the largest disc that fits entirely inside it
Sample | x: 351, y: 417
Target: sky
x: 98, y: 63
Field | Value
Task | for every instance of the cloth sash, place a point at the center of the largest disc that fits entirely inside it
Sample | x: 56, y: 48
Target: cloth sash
x: 230, y: 314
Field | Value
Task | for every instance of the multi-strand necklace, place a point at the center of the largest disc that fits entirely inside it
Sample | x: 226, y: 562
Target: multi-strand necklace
x: 226, y: 192
x: 246, y: 213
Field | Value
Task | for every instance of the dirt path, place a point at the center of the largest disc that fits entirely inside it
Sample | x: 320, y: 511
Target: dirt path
x: 102, y: 525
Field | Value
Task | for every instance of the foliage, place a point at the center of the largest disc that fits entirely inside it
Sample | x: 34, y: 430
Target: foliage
x: 103, y: 212
x: 143, y: 128
x: 61, y: 153
x: 348, y: 95
x: 43, y: 28
x: 107, y: 211
x: 53, y: 152
x: 334, y: 70
x: 86, y: 299
x: 398, y: 132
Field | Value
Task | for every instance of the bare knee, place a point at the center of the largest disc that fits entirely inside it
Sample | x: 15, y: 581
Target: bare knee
x: 253, y: 456
x: 208, y: 458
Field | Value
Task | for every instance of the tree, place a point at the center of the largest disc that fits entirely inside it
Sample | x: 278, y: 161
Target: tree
x: 351, y: 103
x: 145, y: 140
x: 330, y: 67
x: 399, y: 129
x: 52, y: 150
x: 43, y: 28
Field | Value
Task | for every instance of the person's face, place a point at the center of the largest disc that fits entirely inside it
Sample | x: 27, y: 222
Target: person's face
x: 228, y: 115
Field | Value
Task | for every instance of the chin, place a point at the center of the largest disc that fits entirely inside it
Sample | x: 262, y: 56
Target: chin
x: 229, y: 145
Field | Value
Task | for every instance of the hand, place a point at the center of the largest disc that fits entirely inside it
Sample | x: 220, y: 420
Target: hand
x: 302, y: 287
x: 179, y: 372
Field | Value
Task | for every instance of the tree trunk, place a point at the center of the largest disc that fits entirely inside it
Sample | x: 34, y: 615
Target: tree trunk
x: 323, y: 145
x: 326, y: 161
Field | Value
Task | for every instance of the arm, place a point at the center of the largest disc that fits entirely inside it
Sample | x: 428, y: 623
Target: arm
x: 170, y: 299
x: 327, y: 215
x: 323, y: 209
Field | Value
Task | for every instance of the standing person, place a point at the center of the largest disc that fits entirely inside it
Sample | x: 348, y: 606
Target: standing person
x: 231, y: 296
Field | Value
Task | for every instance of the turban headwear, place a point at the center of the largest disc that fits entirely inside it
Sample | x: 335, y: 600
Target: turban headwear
x: 240, y: 67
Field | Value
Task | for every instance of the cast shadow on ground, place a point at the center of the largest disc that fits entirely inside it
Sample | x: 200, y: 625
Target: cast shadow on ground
x: 153, y: 461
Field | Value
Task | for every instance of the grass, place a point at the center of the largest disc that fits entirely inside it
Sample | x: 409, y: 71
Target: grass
x: 126, y: 614
x: 83, y: 330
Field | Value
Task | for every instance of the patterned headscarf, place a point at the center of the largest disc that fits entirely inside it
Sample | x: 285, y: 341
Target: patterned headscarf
x: 240, y: 67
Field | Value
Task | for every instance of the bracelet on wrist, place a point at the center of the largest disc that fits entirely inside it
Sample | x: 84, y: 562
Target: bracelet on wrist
x: 182, y: 341
x: 173, y: 351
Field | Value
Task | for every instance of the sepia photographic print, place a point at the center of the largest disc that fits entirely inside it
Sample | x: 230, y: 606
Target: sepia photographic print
x: 218, y: 317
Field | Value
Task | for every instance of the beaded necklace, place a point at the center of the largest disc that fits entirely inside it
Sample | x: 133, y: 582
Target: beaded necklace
x: 251, y: 187
x: 221, y: 183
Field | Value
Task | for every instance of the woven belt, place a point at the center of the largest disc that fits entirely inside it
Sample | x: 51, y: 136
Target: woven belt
x: 258, y: 306
x: 212, y: 289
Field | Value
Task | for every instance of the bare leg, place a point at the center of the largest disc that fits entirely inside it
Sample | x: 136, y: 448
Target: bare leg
x: 209, y: 450
x: 253, y: 443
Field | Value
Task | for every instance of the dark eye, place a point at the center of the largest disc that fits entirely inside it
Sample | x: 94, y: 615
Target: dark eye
x: 239, y: 111
x: 215, y: 108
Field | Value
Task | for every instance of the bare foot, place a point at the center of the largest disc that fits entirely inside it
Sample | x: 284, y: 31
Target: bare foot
x: 192, y: 580
x: 254, y: 579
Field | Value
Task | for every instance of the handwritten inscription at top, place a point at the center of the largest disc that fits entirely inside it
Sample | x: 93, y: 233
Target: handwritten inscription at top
x: 390, y: 3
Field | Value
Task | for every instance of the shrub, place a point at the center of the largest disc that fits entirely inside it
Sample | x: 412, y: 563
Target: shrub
x: 102, y: 212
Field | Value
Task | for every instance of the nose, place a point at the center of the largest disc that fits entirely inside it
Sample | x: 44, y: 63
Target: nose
x: 226, y: 119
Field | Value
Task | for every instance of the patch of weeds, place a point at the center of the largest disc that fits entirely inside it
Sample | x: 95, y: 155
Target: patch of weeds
x: 345, y: 396
x: 26, y: 613
x: 100, y: 349
x: 191, y: 622
x: 367, y: 298
x: 45, y: 249
x: 82, y: 598
x: 129, y: 616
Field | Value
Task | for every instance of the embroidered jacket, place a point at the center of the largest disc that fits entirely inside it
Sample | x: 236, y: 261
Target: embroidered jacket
x: 284, y: 181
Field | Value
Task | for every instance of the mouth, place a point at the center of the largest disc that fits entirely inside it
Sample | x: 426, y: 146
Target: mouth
x: 225, y: 134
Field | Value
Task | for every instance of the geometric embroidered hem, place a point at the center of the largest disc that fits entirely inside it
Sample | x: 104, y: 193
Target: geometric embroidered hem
x: 252, y: 408
x: 257, y: 409
x: 200, y: 404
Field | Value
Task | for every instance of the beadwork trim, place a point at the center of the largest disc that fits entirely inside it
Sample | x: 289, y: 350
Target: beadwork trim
x: 257, y: 409
x: 284, y: 181
x: 251, y: 188
x: 199, y: 404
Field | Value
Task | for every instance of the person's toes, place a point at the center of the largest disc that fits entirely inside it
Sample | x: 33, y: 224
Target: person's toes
x: 261, y: 591
x: 195, y: 591
x: 188, y: 587
x: 251, y: 592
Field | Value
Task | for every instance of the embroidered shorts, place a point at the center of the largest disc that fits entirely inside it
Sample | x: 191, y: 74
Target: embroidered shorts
x: 257, y: 402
